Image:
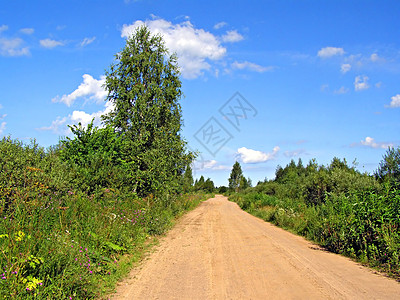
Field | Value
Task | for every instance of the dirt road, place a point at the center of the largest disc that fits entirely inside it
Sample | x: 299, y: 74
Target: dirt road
x: 219, y: 251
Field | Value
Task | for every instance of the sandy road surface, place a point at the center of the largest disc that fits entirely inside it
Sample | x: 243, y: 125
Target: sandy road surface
x: 219, y: 251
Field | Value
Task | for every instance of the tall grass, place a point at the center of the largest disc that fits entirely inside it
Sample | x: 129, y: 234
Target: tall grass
x: 58, y: 242
x: 362, y: 225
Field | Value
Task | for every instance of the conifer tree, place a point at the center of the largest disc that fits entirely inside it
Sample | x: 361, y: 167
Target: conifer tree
x: 235, y: 177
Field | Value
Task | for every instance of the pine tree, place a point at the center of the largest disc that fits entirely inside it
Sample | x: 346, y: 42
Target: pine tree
x: 188, y: 179
x: 235, y: 177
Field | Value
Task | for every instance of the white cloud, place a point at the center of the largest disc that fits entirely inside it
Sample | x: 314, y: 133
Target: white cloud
x: 90, y: 88
x: 84, y: 118
x: 395, y: 101
x: 49, y: 43
x: 202, y: 165
x: 3, y: 28
x: 209, y: 164
x: 370, y: 142
x: 250, y: 66
x: 2, y: 127
x: 344, y: 68
x: 342, y: 90
x: 193, y: 46
x: 249, y: 156
x: 13, y: 47
x: 87, y: 41
x: 220, y: 25
x: 361, y: 83
x: 27, y: 31
x: 232, y: 36
x: 57, y: 126
x: 330, y: 51
x: 374, y: 57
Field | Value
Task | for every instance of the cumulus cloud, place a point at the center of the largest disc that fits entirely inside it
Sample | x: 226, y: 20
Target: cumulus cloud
x: 361, y: 83
x: 49, y: 43
x: 27, y: 31
x: 232, y: 36
x: 194, y: 47
x: 84, y: 118
x: 250, y: 156
x: 87, y: 41
x: 395, y: 101
x: 330, y: 51
x: 59, y: 125
x: 344, y: 68
x: 250, y: 66
x: 370, y: 142
x: 13, y: 47
x: 90, y: 88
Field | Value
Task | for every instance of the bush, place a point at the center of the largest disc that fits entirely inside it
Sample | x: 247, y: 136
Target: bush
x: 59, y: 242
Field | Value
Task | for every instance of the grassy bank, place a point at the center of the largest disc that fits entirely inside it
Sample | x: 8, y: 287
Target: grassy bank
x: 59, y: 242
x: 337, y: 207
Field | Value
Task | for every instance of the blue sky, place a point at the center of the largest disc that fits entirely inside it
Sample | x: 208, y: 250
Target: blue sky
x: 264, y: 81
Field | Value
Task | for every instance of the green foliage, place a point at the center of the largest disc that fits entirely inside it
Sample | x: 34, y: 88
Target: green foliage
x: 144, y: 86
x: 72, y: 217
x: 199, y: 184
x: 389, y: 168
x: 95, y: 156
x: 57, y: 242
x: 235, y: 177
x: 208, y: 186
x: 222, y: 189
x: 204, y: 185
x: 338, y: 207
x: 187, y: 180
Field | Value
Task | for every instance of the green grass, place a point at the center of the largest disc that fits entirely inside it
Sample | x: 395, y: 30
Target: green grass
x: 362, y: 225
x: 58, y: 242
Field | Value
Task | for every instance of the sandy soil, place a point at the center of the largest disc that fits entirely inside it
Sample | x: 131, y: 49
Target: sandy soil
x: 219, y: 251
